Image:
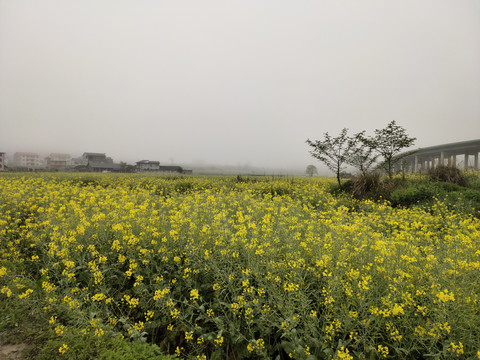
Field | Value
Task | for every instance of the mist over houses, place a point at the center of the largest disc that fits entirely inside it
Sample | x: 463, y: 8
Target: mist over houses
x: 87, y: 162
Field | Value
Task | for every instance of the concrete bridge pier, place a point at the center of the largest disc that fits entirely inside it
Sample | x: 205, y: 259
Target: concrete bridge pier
x: 454, y: 160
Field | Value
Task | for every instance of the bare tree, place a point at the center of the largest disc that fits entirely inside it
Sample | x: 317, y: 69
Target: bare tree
x: 362, y: 155
x: 388, y: 143
x: 333, y: 152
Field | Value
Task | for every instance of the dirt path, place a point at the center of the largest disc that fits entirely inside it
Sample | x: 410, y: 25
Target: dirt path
x: 12, y: 351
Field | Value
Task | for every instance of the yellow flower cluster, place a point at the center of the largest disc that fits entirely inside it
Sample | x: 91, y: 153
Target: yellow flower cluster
x: 255, y: 258
x: 63, y: 349
x: 256, y: 345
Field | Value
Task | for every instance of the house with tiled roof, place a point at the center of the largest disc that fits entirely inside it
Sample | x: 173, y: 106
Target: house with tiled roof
x: 147, y: 166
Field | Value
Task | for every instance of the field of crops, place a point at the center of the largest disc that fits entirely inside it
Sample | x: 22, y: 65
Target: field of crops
x: 236, y: 268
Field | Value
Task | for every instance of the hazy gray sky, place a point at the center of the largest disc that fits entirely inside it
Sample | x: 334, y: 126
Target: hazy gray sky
x: 233, y: 82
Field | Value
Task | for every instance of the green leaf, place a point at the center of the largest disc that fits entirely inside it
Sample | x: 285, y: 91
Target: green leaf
x: 217, y: 355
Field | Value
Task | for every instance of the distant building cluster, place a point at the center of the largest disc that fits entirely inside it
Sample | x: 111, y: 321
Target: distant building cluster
x: 88, y: 162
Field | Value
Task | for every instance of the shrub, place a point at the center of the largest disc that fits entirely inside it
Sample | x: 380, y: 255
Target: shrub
x: 449, y: 187
x: 370, y: 186
x: 467, y: 201
x: 473, y: 180
x: 413, y: 195
x: 365, y: 184
x: 472, y: 194
x: 449, y: 174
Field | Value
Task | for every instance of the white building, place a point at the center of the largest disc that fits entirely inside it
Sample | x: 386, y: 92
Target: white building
x: 26, y: 160
x: 59, y: 161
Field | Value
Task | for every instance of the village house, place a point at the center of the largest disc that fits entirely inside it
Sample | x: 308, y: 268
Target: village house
x: 154, y: 166
x: 147, y: 165
x: 96, y: 158
x: 98, y: 162
x: 58, y: 161
x: 26, y: 160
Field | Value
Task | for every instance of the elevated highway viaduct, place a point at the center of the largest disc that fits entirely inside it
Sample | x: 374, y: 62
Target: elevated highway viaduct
x: 461, y: 154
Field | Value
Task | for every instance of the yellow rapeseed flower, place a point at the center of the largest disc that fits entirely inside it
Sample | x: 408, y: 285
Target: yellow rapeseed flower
x: 63, y: 349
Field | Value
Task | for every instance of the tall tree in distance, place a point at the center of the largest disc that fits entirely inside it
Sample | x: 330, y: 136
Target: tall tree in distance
x: 388, y: 143
x: 311, y: 170
x: 333, y: 152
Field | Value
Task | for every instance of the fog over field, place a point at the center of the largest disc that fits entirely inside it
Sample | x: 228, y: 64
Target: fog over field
x: 234, y: 83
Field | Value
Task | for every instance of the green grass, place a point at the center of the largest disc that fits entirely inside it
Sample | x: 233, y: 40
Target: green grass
x: 21, y: 323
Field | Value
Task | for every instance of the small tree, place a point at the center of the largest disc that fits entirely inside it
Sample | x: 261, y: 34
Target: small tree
x: 124, y: 167
x: 333, y: 152
x: 388, y: 143
x: 311, y: 170
x: 362, y: 155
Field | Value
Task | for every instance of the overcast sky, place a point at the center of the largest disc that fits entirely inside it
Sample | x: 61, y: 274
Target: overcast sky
x: 233, y: 82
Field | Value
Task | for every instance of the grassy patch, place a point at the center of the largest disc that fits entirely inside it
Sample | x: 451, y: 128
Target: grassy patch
x: 460, y: 190
x: 26, y: 323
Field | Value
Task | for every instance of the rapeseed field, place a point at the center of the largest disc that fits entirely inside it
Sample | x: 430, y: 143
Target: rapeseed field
x: 237, y: 268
